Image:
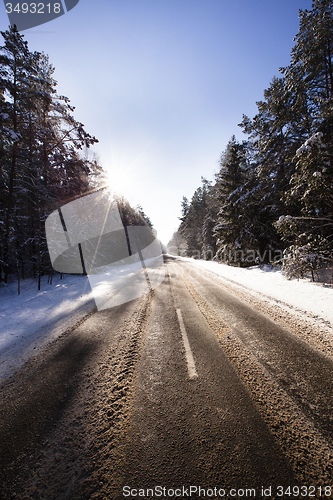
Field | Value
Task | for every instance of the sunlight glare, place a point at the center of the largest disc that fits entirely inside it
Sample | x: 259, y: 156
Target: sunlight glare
x: 120, y: 181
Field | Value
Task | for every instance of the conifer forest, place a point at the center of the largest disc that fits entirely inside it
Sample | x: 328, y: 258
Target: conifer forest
x: 272, y: 198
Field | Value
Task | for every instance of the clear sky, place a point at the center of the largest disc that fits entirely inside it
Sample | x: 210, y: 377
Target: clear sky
x: 163, y: 84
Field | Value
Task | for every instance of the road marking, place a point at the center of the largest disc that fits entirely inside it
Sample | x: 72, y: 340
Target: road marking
x: 189, y: 356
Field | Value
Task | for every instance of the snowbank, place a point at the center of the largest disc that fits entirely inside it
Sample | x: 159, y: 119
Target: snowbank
x: 302, y: 295
x: 34, y: 318
x: 30, y: 320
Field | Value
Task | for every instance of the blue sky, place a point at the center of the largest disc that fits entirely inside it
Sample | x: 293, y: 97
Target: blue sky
x: 163, y: 84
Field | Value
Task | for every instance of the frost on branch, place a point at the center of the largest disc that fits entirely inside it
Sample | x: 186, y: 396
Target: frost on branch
x: 314, y: 140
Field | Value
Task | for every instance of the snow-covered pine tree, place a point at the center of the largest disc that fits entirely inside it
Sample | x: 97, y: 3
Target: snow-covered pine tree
x: 310, y: 235
x: 17, y: 68
x: 308, y: 229
x: 231, y: 241
x: 274, y: 141
x: 311, y: 59
x: 192, y: 220
x: 41, y: 164
x: 209, y: 247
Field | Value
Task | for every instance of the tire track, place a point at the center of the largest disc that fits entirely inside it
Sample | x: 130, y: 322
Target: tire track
x: 78, y: 457
x: 309, y: 453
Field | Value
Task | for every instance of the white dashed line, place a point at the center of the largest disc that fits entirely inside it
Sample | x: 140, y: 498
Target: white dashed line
x: 189, y: 356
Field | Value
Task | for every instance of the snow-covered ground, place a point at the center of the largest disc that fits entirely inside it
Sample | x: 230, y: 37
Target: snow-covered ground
x: 302, y: 295
x: 32, y: 319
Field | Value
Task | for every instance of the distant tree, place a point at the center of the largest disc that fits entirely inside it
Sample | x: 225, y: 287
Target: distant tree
x: 131, y: 216
x: 177, y: 245
x: 192, y: 220
x: 185, y: 207
x: 209, y: 246
x: 144, y: 217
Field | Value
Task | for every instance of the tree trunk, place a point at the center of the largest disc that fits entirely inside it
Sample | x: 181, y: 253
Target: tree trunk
x: 330, y: 65
x: 11, y: 180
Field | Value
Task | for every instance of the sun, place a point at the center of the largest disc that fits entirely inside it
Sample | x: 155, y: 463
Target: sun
x: 119, y: 181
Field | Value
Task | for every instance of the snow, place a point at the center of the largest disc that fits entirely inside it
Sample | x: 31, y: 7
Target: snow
x: 31, y: 320
x: 315, y: 139
x: 12, y: 134
x: 284, y: 218
x: 34, y: 318
x: 313, y: 299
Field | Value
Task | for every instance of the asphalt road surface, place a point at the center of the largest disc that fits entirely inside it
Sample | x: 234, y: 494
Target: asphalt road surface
x: 197, y: 389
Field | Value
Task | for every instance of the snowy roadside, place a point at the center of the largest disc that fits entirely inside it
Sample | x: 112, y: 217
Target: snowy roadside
x: 313, y: 299
x: 31, y: 320
x: 34, y: 318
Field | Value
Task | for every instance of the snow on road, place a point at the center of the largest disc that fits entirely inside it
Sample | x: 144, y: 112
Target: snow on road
x: 303, y: 295
x: 30, y: 320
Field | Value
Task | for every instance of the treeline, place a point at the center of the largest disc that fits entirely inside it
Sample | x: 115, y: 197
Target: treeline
x: 41, y: 160
x: 272, y: 199
x: 44, y: 160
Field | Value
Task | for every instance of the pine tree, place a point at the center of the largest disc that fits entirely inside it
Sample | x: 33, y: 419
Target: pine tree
x: 307, y: 230
x: 209, y: 246
x: 311, y: 61
x: 231, y: 241
x: 310, y: 235
x: 274, y: 140
x: 17, y: 68
x: 143, y: 216
x: 192, y: 220
x: 41, y: 164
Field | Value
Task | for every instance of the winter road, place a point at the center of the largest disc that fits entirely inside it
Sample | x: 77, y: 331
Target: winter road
x: 196, y: 389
